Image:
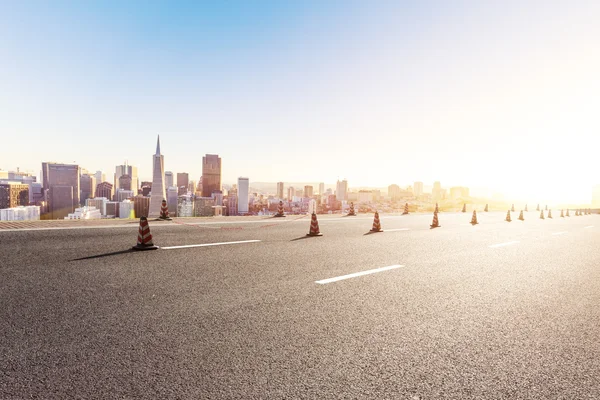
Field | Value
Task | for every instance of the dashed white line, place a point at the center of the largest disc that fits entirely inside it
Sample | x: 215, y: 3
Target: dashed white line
x: 560, y: 233
x: 208, y: 244
x: 504, y: 244
x: 354, y: 275
x: 395, y: 230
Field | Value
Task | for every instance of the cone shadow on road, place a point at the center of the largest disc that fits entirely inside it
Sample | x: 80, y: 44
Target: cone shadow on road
x: 104, y: 255
x: 302, y: 237
x: 371, y: 232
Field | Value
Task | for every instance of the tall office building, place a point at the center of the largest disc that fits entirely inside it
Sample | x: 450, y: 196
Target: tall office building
x: 61, y: 200
x: 321, y: 188
x: 232, y: 202
x: 100, y: 177
x: 172, y: 200
x: 291, y: 193
x: 211, y: 174
x: 158, y: 182
x: 436, y: 193
x: 168, y: 179
x: 104, y: 189
x: 126, y: 183
x: 183, y: 180
x: 280, y: 190
x: 341, y: 190
x: 418, y: 188
x: 13, y: 194
x: 243, y: 187
x: 88, y: 187
x: 308, y: 191
x: 126, y: 169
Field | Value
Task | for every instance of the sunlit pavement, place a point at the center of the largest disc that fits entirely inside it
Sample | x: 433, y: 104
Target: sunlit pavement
x: 253, y: 308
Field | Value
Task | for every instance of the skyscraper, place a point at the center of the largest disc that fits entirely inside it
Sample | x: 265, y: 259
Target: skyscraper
x: 88, y: 187
x: 158, y: 182
x: 182, y: 182
x: 321, y: 188
x: 61, y: 201
x: 341, y: 190
x: 125, y: 183
x: 308, y: 191
x: 291, y: 193
x: 168, y: 179
x: 243, y: 186
x: 100, y: 177
x: 418, y: 188
x: 126, y: 169
x: 104, y: 189
x: 211, y: 174
x: 280, y: 190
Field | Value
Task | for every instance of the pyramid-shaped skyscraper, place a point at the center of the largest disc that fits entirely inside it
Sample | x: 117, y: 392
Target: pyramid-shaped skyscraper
x: 158, y: 182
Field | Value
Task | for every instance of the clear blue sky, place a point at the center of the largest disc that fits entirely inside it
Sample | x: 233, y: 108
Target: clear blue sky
x: 478, y: 93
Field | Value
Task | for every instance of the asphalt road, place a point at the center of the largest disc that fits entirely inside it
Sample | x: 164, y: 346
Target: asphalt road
x: 495, y: 311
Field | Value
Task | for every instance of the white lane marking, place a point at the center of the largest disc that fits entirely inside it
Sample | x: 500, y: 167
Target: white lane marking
x: 588, y: 227
x: 354, y: 275
x: 395, y: 230
x: 504, y: 244
x: 560, y: 233
x: 208, y: 244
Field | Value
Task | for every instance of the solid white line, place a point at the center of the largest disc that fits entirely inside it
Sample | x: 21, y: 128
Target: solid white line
x: 504, y: 244
x: 394, y: 230
x: 208, y: 244
x: 354, y: 275
x: 588, y: 227
x: 560, y: 233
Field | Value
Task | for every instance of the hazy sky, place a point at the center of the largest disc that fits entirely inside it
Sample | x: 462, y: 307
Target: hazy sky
x: 502, y: 94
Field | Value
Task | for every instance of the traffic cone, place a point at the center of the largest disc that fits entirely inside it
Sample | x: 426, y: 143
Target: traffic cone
x: 144, y: 241
x: 436, y: 222
x: 542, y: 215
x: 474, y: 218
x: 562, y: 213
x: 577, y: 214
x: 538, y: 208
x: 351, y: 212
x: 550, y: 214
x: 376, y: 224
x: 280, y: 210
x: 164, y: 212
x: 568, y: 213
x: 464, y: 208
x: 521, y: 217
x: 437, y: 209
x: 405, y: 209
x: 512, y: 209
x: 486, y: 208
x: 314, y: 226
x: 508, y: 218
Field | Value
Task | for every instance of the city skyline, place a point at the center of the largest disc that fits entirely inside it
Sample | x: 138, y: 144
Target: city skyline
x: 380, y: 94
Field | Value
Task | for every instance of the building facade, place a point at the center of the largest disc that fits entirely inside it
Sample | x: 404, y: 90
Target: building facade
x: 61, y: 201
x: 13, y: 194
x: 308, y: 191
x: 211, y: 174
x: 183, y: 180
x: 280, y: 190
x: 341, y: 190
x: 243, y: 187
x: 104, y: 189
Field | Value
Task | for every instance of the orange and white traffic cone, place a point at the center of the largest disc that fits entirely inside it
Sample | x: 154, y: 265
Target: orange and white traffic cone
x: 280, y: 210
x: 164, y: 212
x: 436, y: 222
x: 314, y: 226
x: 508, y: 218
x: 144, y: 240
x: 405, y: 209
x: 521, y: 216
x: 376, y: 223
x: 542, y: 215
x: 464, y: 209
x: 486, y: 209
x: 567, y: 213
x: 562, y: 213
x: 351, y: 212
x: 512, y: 209
x: 550, y: 214
x: 474, y: 218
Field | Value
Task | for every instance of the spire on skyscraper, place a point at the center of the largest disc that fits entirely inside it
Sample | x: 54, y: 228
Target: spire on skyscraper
x: 158, y: 145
